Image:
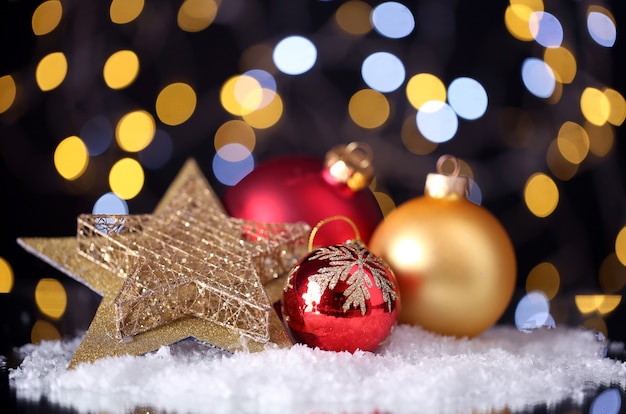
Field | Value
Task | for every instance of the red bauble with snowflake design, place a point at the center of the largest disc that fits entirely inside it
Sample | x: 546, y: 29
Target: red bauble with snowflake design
x: 341, y: 298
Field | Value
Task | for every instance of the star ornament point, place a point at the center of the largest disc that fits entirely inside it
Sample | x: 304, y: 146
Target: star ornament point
x: 187, y: 270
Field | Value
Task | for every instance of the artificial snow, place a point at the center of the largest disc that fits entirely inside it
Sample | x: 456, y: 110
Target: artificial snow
x: 415, y: 372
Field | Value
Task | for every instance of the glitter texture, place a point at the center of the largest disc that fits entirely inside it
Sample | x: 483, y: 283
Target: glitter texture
x: 188, y: 270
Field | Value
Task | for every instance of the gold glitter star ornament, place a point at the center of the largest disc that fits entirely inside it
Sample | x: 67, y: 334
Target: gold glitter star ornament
x: 187, y: 270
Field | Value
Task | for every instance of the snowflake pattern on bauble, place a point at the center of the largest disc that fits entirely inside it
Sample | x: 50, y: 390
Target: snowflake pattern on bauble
x: 342, y: 262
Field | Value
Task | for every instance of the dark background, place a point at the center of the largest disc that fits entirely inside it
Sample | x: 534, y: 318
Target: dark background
x: 451, y: 39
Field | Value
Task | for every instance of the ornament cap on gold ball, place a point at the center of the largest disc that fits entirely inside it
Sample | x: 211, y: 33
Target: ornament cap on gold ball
x: 454, y: 261
x: 442, y: 185
x: 351, y: 164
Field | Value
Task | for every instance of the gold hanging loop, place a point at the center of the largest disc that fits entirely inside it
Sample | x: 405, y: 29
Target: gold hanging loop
x: 357, y: 235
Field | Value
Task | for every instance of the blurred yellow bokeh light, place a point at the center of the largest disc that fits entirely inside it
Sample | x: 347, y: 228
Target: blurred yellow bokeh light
x: 620, y: 245
x: 544, y: 277
x: 235, y: 132
x: 135, y: 131
x: 385, y: 202
x: 46, y: 17
x: 601, y: 138
x: 425, y: 87
x: 353, y: 17
x: 369, y: 108
x: 612, y: 274
x: 51, y: 71
x: 267, y: 115
x: 176, y: 103
x: 8, y: 91
x: 196, y: 15
x: 541, y: 195
x: 595, y: 106
x: 71, y: 158
x: 562, y: 62
x: 603, y: 304
x: 413, y: 139
x: 559, y: 166
x: 573, y: 142
x: 126, y: 178
x: 50, y: 297
x: 241, y: 94
x: 44, y: 331
x: 125, y: 11
x: 121, y: 69
x: 6, y: 276
x: 617, y: 104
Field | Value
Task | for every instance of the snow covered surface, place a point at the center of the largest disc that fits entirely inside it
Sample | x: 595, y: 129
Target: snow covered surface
x: 414, y: 372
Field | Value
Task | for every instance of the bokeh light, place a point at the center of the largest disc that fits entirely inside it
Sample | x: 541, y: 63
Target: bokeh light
x: 243, y: 94
x: 602, y: 304
x: 135, y: 131
x: 607, y: 402
x: 620, y: 245
x: 121, y: 69
x: 562, y: 62
x: 369, y: 108
x: 44, y: 331
x: 425, y: 87
x: 383, y: 71
x: 196, y: 15
x: 353, y: 17
x: 559, y: 166
x: 50, y: 297
x: 475, y: 194
x: 235, y: 132
x: 573, y: 142
x: 601, y: 138
x: 125, y: 11
x: 159, y: 152
x: 541, y: 195
x: 109, y: 203
x: 265, y: 80
x: 51, y: 71
x: 612, y: 274
x: 8, y: 91
x: 393, y: 20
x: 46, y: 17
x: 413, y: 139
x: 232, y: 163
x: 437, y: 121
x: 595, y: 106
x: 617, y: 106
x: 468, y: 98
x: 601, y: 26
x: 71, y: 158
x: 294, y: 55
x: 544, y: 277
x: 6, y: 276
x: 533, y: 312
x: 176, y: 103
x: 266, y: 115
x: 538, y: 77
x: 517, y: 18
x: 385, y: 202
x: 126, y: 178
x: 97, y: 133
x: 546, y: 29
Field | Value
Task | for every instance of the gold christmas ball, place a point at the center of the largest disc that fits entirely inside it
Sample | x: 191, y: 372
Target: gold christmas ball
x: 454, y: 262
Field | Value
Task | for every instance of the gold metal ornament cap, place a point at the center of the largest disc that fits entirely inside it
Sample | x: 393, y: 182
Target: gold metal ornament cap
x: 351, y: 164
x: 442, y: 185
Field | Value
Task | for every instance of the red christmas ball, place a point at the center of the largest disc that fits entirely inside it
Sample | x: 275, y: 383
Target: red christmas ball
x: 341, y: 298
x: 292, y: 189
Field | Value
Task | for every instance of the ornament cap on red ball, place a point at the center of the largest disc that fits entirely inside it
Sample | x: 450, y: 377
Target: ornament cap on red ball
x: 341, y: 298
x: 301, y: 188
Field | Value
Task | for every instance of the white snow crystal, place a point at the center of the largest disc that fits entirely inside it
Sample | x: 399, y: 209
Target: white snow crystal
x: 416, y: 371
